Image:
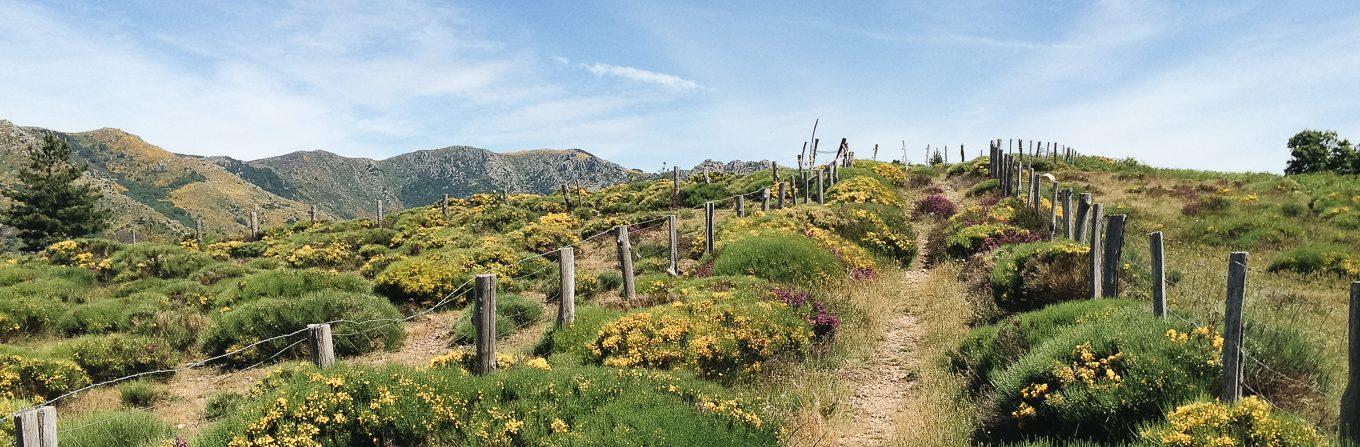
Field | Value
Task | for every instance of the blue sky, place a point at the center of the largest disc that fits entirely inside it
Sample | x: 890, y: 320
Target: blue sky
x: 1210, y: 85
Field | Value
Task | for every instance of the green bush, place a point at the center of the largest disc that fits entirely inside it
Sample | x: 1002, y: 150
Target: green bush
x: 976, y: 238
x: 512, y: 312
x: 885, y: 230
x: 1033, y: 275
x: 369, y: 323
x: 140, y: 394
x: 1310, y: 258
x: 574, y: 340
x: 289, y: 283
x: 1245, y: 232
x: 1100, y: 380
x: 26, y: 377
x: 1247, y: 422
x: 111, y: 314
x: 27, y: 315
x: 222, y: 404
x: 221, y: 271
x: 156, y: 261
x: 519, y: 406
x: 984, y: 187
x: 790, y: 259
x: 109, y: 356
x: 122, y: 428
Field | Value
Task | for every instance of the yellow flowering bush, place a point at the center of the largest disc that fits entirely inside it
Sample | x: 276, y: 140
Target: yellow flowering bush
x: 863, y: 189
x: 549, y: 232
x: 82, y: 253
x: 36, y: 379
x: 338, y: 255
x: 892, y: 173
x: 431, y: 277
x: 1250, y: 422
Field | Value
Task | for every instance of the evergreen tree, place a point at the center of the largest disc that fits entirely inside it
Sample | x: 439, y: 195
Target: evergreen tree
x: 47, y: 205
x: 1318, y: 151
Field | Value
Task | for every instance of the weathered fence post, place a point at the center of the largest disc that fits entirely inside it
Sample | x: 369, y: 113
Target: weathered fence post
x: 1067, y: 213
x: 1053, y: 213
x: 626, y: 262
x: 708, y: 227
x: 444, y: 204
x: 765, y: 198
x: 254, y: 225
x: 566, y: 197
x: 1158, y: 274
x: 1350, y: 399
x: 1232, y: 327
x: 1097, y: 212
x: 566, y: 303
x: 311, y: 214
x: 774, y: 172
x: 741, y: 206
x: 1113, y: 248
x: 484, y: 320
x: 36, y: 427
x: 807, y: 187
x: 675, y: 184
x: 821, y: 191
x: 381, y: 213
x: 780, y: 200
x: 1083, y: 209
x: 323, y: 346
x: 673, y: 227
x: 198, y: 231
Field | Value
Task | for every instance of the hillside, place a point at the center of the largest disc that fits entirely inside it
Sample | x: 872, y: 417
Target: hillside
x: 350, y: 187
x: 153, y: 191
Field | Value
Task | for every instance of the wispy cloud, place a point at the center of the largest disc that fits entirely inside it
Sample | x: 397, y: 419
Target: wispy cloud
x: 640, y: 75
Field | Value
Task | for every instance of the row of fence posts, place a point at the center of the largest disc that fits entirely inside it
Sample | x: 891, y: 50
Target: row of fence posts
x: 1105, y: 261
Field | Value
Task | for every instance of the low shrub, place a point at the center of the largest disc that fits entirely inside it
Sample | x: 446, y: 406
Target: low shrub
x: 518, y: 406
x: 368, y: 318
x: 982, y: 238
x: 1314, y: 258
x: 289, y: 283
x: 512, y: 313
x: 110, y: 356
x: 575, y: 339
x: 25, y: 315
x: 984, y: 187
x: 36, y: 379
x: 222, y: 404
x: 236, y: 249
x: 1245, y: 232
x: 156, y: 261
x: 1248, y: 422
x: 550, y: 232
x: 893, y: 173
x: 112, y: 314
x: 431, y: 277
x: 936, y: 205
x: 123, y: 428
x: 884, y: 230
x: 1206, y: 204
x: 1033, y: 275
x: 140, y: 394
x: 863, y: 190
x: 221, y: 271
x: 790, y: 259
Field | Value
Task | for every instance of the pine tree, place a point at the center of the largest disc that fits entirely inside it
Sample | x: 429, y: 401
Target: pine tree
x: 47, y: 205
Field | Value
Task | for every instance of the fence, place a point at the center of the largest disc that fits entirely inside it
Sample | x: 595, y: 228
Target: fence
x: 36, y: 426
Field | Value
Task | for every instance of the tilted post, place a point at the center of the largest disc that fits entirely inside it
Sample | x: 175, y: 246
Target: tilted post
x: 765, y: 198
x: 673, y: 227
x: 626, y: 262
x: 254, y: 225
x: 36, y: 427
x: 1232, y: 327
x: 323, y: 346
x: 741, y: 206
x: 708, y: 227
x: 1158, y: 274
x: 807, y: 188
x: 311, y: 214
x: 1350, y: 399
x: 1114, y: 247
x: 484, y: 320
x: 1083, y: 209
x: 566, y: 303
x: 1097, y: 215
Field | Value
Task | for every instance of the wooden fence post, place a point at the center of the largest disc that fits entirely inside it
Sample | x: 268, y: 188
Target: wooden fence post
x: 36, y: 427
x: 566, y: 197
x: 1067, y: 212
x: 254, y: 225
x: 484, y: 320
x: 741, y: 206
x: 444, y: 204
x: 1053, y: 213
x: 673, y: 228
x: 1097, y: 212
x: 1158, y: 275
x: 765, y: 197
x: 1113, y: 248
x: 820, y: 190
x: 566, y: 303
x: 708, y: 227
x: 311, y: 214
x: 626, y: 262
x: 774, y: 172
x: 198, y: 231
x: 323, y: 346
x: 1232, y: 327
x: 1083, y: 209
x: 780, y: 201
x: 1350, y: 399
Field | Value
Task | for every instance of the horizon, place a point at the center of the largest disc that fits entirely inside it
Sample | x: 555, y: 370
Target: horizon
x: 1217, y: 86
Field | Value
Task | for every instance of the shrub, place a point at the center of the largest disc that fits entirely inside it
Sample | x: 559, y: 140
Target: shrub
x: 369, y: 317
x: 215, y: 273
x: 1247, y: 422
x: 985, y: 237
x: 288, y: 283
x: 790, y: 259
x: 893, y: 173
x: 576, y: 338
x: 512, y: 313
x: 22, y: 315
x: 1102, y: 379
x: 1033, y: 275
x: 519, y: 406
x: 33, y: 379
x: 85, y: 253
x: 863, y: 190
x: 1312, y: 258
x: 936, y: 205
x: 984, y: 187
x: 130, y: 428
x: 111, y: 314
x: 110, y: 356
x: 236, y: 249
x: 549, y: 232
x: 431, y: 277
x: 156, y: 261
x: 1245, y: 232
x: 1207, y: 204
x: 222, y: 404
x: 140, y: 394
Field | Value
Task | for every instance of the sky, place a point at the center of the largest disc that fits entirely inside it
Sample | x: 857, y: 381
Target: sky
x: 1208, y: 85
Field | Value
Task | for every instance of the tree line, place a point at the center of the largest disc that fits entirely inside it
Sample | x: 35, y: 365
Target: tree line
x: 1321, y: 151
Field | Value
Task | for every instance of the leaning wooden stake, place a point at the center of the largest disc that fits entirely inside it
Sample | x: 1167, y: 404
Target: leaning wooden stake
x: 741, y: 206
x: 323, y: 346
x: 36, y: 427
x: 254, y: 225
x: 1158, y: 274
x: 198, y: 232
x: 566, y: 303
x: 626, y: 262
x: 774, y: 172
x: 566, y: 197
x: 444, y: 204
x: 1113, y: 250
x: 1083, y: 209
x: 765, y: 198
x: 1232, y: 328
x: 1096, y: 258
x: 708, y: 227
x: 673, y: 227
x: 1350, y: 399
x: 311, y: 214
x: 484, y: 320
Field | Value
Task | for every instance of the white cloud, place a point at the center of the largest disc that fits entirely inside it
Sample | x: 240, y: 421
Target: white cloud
x: 640, y: 75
